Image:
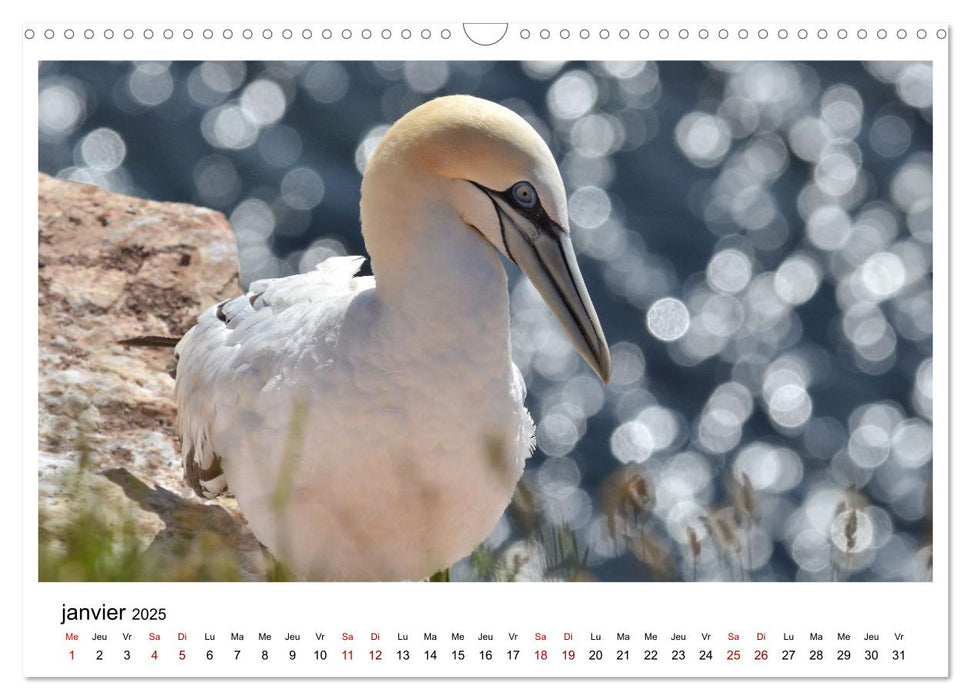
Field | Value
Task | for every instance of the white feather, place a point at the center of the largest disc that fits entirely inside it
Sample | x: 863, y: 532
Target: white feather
x: 409, y: 453
x: 376, y: 430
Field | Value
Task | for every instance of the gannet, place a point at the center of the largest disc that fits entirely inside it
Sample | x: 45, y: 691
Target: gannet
x: 374, y: 428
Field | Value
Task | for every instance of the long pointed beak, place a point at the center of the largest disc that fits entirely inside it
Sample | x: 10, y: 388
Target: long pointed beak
x: 544, y: 252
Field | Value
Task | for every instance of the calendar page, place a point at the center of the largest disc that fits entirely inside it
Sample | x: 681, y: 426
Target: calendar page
x: 522, y: 349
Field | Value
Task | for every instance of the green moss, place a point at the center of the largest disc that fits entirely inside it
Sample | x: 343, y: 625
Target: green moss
x: 99, y: 541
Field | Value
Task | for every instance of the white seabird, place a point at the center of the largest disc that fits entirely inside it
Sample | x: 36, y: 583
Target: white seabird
x: 373, y: 428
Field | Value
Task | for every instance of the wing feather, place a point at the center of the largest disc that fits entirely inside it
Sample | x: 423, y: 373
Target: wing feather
x: 239, y: 345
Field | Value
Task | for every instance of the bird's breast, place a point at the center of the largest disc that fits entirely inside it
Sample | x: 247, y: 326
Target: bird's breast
x: 397, y: 460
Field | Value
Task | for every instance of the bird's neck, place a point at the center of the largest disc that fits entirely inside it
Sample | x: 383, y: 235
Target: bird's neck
x: 440, y: 285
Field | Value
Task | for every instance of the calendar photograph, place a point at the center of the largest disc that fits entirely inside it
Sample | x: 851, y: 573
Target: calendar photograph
x: 485, y: 321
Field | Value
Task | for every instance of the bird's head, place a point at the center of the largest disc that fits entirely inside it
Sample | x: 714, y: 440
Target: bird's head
x: 503, y: 182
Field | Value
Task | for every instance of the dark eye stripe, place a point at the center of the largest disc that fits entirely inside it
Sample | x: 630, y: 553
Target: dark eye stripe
x: 536, y: 213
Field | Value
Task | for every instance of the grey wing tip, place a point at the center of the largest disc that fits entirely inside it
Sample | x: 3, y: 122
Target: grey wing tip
x: 207, y: 482
x: 150, y: 341
x: 154, y: 341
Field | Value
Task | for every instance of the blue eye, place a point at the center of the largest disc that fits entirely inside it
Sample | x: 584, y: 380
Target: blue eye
x: 524, y: 194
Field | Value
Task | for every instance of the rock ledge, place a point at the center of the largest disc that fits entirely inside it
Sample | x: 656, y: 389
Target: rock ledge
x: 113, y: 267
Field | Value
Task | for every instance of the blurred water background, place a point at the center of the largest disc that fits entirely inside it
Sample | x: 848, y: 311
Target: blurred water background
x: 756, y: 238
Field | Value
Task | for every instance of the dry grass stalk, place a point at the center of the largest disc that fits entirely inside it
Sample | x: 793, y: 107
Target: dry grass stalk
x: 653, y: 553
x: 695, y: 544
x: 627, y: 496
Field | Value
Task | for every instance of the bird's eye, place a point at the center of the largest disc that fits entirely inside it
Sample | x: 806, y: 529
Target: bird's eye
x: 524, y: 194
